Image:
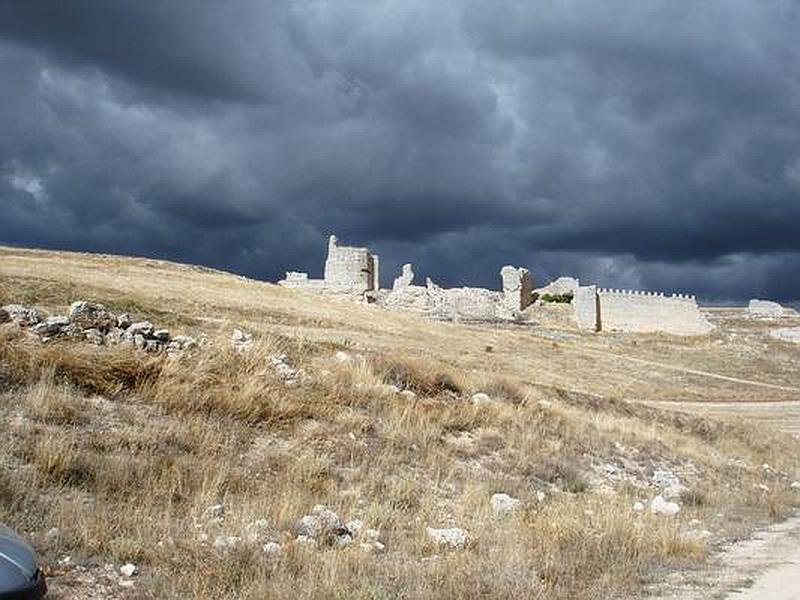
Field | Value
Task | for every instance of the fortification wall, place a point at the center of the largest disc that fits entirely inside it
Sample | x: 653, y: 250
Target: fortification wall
x: 585, y: 307
x: 648, y: 312
x: 349, y: 269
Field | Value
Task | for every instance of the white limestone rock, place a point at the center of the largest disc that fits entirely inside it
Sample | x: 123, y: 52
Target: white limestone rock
x: 324, y: 526
x: 450, y: 537
x: 91, y: 315
x: 215, y: 511
x: 129, y: 570
x: 638, y: 507
x: 51, y: 326
x: 23, y: 315
x: 503, y: 504
x: 480, y: 398
x: 408, y: 395
x: 271, y: 548
x: 94, y: 336
x: 142, y: 328
x: 241, y: 340
x: 660, y: 506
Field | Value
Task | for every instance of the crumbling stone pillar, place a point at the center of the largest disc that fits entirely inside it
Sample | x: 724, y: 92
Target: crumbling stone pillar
x: 405, y: 279
x: 517, y: 288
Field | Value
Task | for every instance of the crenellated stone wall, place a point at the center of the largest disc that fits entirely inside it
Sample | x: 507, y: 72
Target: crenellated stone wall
x: 649, y: 312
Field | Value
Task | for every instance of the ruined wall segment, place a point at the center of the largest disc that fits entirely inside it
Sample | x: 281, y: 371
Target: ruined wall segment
x: 585, y: 307
x: 464, y: 303
x: 517, y: 290
x: 349, y: 269
x: 405, y: 279
x: 650, y: 312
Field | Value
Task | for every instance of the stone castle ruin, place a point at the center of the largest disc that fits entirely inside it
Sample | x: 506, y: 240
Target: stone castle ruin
x: 354, y: 272
x: 599, y: 309
x: 348, y: 270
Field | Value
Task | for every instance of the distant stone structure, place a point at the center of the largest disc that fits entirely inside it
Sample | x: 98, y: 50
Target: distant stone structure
x: 354, y: 272
x: 348, y: 270
x: 405, y: 279
x: 586, y: 307
x: 764, y: 308
x: 561, y: 286
x: 638, y: 312
x: 465, y: 303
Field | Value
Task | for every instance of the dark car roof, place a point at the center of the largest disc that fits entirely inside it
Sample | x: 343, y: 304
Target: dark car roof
x: 18, y: 563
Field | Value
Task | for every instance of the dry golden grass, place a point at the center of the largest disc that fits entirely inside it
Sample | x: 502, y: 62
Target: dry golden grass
x: 123, y: 451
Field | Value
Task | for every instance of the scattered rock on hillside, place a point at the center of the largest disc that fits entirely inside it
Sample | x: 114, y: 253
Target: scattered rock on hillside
x: 241, y: 340
x: 503, y: 503
x: 324, y: 526
x: 660, y: 506
x: 51, y: 326
x: 450, y: 537
x: 286, y: 372
x: 90, y: 315
x: 271, y: 548
x: 129, y: 570
x: 143, y: 328
x: 94, y: 336
x: 24, y: 316
x: 480, y: 398
x: 94, y: 323
x: 215, y: 511
x: 408, y: 395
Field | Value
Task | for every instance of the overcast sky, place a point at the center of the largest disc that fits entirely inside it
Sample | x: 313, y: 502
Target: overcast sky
x: 639, y: 144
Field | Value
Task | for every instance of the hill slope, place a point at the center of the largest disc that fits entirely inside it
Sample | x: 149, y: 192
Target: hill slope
x: 123, y: 452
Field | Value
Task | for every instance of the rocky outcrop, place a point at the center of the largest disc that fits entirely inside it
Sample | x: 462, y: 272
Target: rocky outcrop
x: 97, y: 325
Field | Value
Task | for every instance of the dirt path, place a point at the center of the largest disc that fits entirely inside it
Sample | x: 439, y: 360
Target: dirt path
x: 781, y: 415
x: 749, y: 382
x: 767, y: 566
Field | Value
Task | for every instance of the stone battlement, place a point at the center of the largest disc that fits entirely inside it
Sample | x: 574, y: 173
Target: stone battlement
x: 678, y: 296
x: 638, y: 311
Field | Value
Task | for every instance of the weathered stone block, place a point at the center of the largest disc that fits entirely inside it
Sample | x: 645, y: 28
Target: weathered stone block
x: 585, y: 305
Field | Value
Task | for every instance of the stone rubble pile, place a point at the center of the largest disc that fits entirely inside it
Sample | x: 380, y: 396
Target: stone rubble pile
x: 94, y: 323
x: 764, y: 308
x: 324, y: 528
x: 786, y: 334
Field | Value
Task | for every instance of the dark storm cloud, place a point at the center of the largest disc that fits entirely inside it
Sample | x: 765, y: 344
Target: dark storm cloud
x: 638, y: 144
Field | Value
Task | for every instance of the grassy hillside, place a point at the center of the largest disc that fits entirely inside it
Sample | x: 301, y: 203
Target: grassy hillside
x: 115, y: 455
